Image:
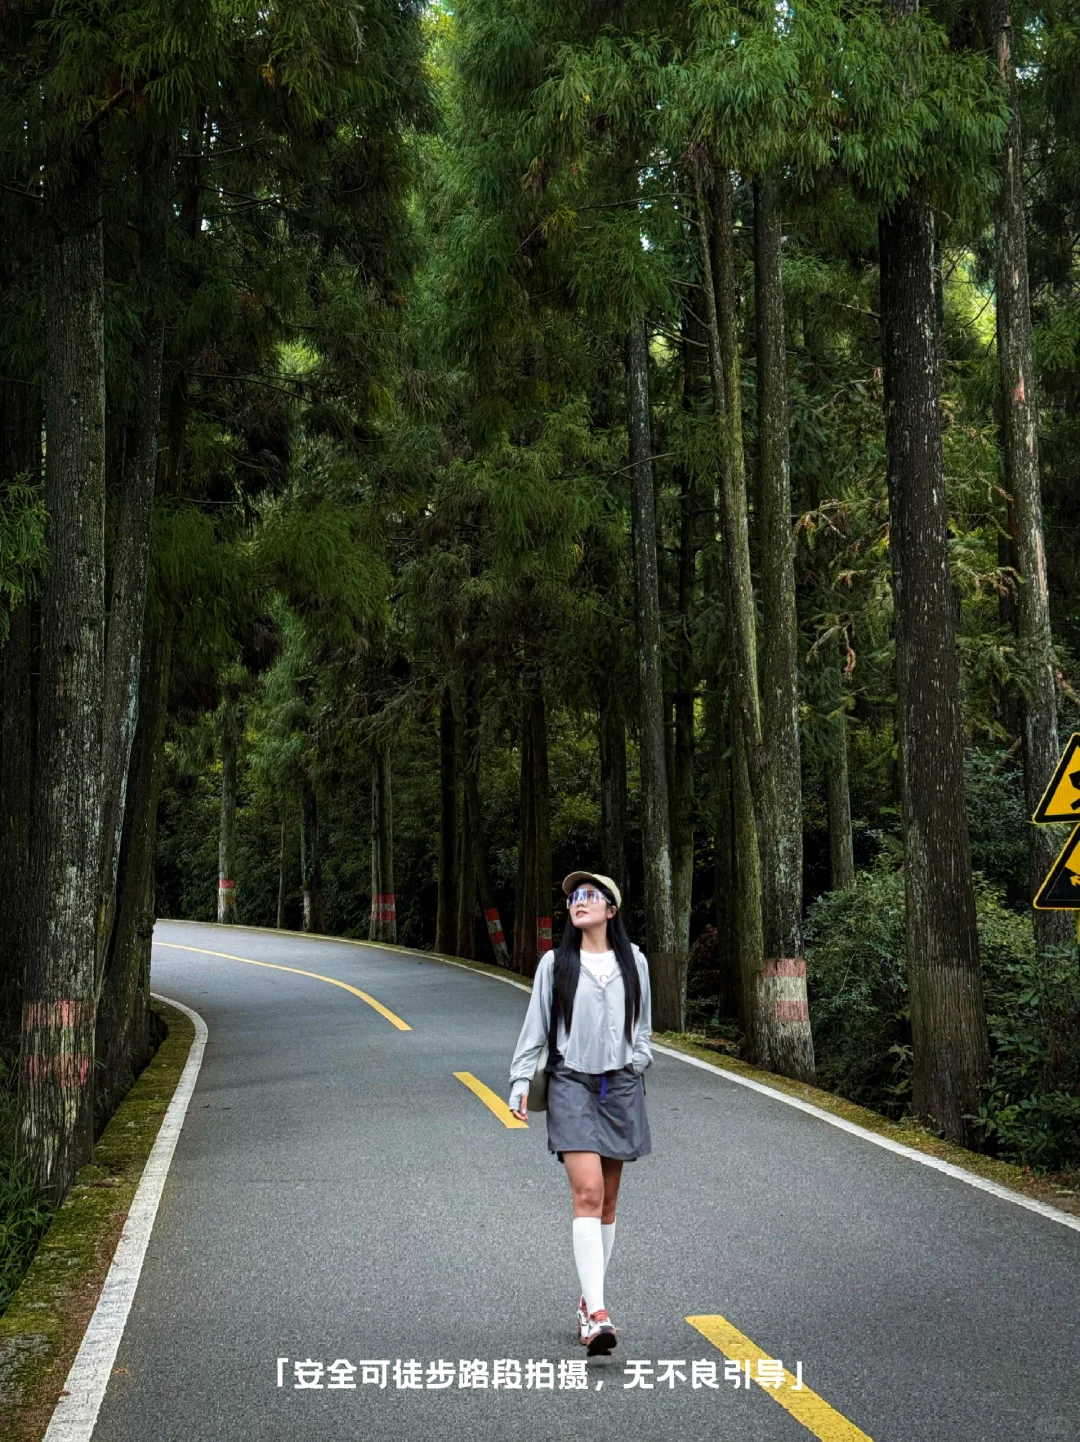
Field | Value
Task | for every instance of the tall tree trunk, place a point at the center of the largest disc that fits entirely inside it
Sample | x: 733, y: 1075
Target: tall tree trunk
x: 123, y: 1021
x: 681, y: 792
x: 383, y: 925
x: 948, y: 1024
x: 467, y: 888
x: 16, y: 795
x: 787, y: 1016
x: 483, y: 872
x: 1020, y: 451
x: 226, y: 906
x: 541, y: 810
x: 131, y: 553
x: 55, y: 1132
x: 468, y: 891
x: 311, y: 859
x: 667, y: 964
x: 718, y: 287
x: 612, y: 746
x: 446, y: 924
x: 525, y: 900
x: 20, y: 454
x: 727, y: 950
x: 838, y: 807
x: 282, y: 856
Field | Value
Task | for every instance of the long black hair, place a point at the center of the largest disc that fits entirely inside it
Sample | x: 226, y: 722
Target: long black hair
x: 566, y: 969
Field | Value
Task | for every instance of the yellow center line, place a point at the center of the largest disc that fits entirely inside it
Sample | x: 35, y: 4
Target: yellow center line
x: 805, y: 1406
x: 273, y: 965
x: 490, y: 1099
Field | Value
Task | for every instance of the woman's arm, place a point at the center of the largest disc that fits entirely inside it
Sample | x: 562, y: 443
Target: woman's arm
x: 643, y: 1031
x: 534, y: 1032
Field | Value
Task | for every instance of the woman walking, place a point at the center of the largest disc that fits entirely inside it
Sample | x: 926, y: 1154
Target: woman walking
x: 598, y: 1034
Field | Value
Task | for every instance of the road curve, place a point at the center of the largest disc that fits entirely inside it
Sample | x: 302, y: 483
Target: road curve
x: 339, y: 1195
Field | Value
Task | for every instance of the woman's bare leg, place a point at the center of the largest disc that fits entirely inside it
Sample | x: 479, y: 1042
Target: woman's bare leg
x: 586, y: 1182
x: 612, y: 1172
x: 594, y: 1184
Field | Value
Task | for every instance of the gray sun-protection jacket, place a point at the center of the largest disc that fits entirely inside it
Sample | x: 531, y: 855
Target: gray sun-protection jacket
x: 597, y: 1040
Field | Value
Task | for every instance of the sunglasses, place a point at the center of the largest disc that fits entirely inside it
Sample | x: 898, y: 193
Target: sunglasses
x: 588, y: 895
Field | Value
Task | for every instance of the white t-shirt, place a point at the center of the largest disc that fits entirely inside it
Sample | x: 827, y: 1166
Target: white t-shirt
x: 602, y: 964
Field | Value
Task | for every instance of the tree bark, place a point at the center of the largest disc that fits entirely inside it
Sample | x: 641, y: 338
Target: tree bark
x: 787, y: 1014
x: 667, y: 965
x: 446, y: 924
x: 20, y: 454
x: 612, y: 747
x: 280, y: 919
x: 727, y: 950
x: 55, y: 1131
x: 681, y: 792
x: 468, y: 891
x: 131, y: 553
x: 541, y: 810
x: 1020, y: 453
x: 226, y: 906
x: 123, y: 1020
x: 311, y: 860
x: 383, y: 925
x: 948, y: 1023
x: 483, y: 872
x: 838, y: 806
x: 718, y: 288
x: 525, y: 900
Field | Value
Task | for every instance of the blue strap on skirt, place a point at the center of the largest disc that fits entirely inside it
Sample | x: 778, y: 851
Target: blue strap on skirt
x: 603, y: 1086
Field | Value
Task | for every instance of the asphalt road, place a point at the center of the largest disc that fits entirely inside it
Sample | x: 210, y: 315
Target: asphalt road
x: 337, y: 1194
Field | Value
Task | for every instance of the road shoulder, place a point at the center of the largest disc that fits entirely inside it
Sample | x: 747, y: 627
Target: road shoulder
x: 43, y: 1328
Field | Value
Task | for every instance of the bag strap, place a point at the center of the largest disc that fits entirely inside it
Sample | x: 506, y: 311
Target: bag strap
x: 553, y: 1025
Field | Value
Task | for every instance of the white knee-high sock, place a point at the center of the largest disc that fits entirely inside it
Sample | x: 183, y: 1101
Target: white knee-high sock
x: 589, y: 1256
x: 607, y: 1232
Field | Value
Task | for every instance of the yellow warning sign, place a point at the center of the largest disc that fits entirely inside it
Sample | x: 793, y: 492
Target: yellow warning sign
x: 1061, y: 799
x: 1061, y: 889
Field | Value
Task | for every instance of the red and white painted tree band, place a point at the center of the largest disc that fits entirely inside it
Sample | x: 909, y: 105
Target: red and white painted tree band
x: 784, y: 966
x: 66, y: 1011
x: 225, y: 885
x: 543, y: 933
x: 65, y: 1069
x: 786, y: 976
x: 494, y: 926
x: 383, y: 906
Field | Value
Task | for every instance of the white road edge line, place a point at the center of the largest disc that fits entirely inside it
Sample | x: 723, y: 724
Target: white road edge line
x: 1054, y: 1214
x: 75, y: 1415
x: 949, y: 1168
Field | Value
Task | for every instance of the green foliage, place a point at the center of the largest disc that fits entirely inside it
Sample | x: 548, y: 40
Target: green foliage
x: 22, y: 547
x: 856, y: 978
x: 24, y: 1213
x: 1031, y: 1111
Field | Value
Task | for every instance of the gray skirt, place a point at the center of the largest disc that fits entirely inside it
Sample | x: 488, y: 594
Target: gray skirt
x: 580, y: 1120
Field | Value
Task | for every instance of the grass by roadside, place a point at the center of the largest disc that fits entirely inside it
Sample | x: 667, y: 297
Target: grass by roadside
x: 42, y: 1329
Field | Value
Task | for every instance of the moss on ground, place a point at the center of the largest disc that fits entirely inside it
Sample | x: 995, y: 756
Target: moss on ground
x: 43, y: 1327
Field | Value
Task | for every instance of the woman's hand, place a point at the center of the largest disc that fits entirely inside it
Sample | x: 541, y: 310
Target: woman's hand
x: 522, y: 1112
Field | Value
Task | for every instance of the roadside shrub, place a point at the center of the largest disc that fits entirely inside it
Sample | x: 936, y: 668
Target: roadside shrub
x: 24, y: 1213
x: 858, y: 994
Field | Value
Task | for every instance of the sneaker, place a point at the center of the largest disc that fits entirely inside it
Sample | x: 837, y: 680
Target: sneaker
x: 582, y: 1321
x: 600, y: 1337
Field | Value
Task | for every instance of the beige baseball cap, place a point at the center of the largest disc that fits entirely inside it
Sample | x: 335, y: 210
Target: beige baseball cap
x: 569, y: 882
